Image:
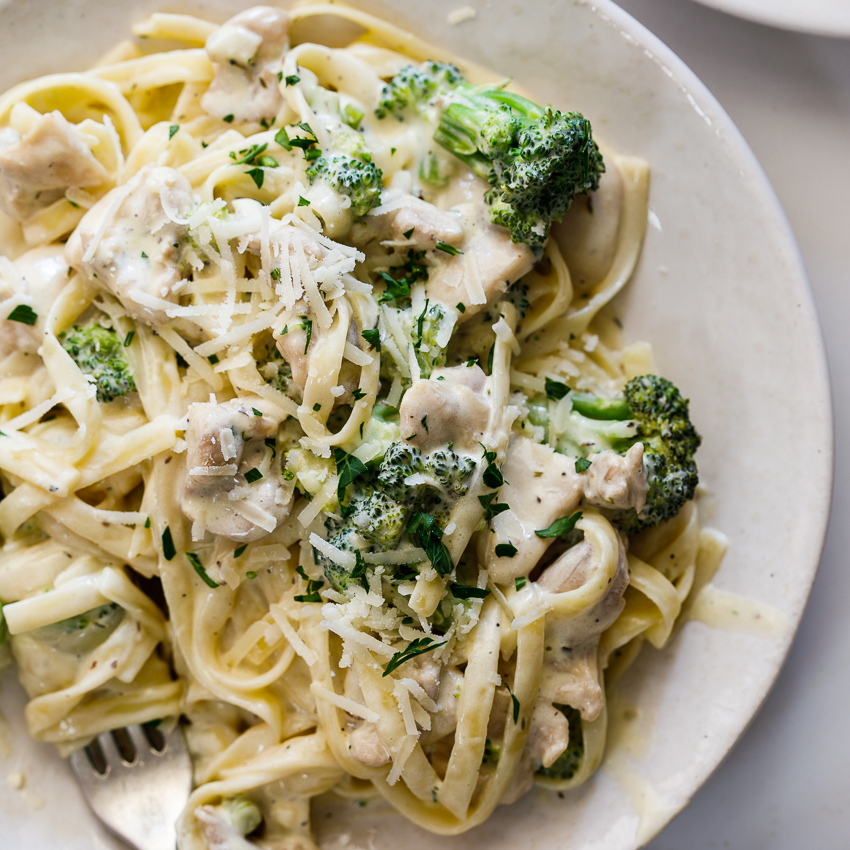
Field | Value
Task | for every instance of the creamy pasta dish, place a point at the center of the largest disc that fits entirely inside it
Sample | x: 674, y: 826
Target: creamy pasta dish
x: 319, y: 433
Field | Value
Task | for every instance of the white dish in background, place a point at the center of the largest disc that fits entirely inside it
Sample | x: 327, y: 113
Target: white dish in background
x: 821, y: 17
x: 721, y: 293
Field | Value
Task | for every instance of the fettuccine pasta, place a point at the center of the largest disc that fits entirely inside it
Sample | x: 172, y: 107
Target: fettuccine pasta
x: 285, y: 432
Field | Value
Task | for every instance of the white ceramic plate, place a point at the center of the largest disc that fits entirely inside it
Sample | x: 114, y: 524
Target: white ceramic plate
x: 822, y: 17
x: 721, y: 293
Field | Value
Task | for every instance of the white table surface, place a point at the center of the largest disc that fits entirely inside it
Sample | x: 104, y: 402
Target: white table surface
x: 786, y: 786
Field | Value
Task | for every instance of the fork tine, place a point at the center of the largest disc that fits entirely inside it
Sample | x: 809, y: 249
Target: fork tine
x: 110, y: 750
x: 139, y: 801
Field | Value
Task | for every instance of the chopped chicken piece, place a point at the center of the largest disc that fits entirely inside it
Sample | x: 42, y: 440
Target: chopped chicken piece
x: 295, y: 350
x: 41, y: 274
x: 219, y: 833
x: 367, y: 746
x: 570, y: 674
x: 428, y: 224
x: 540, y: 487
x: 488, y: 261
x: 457, y: 409
x: 36, y: 169
x: 617, y: 481
x: 247, y: 54
x: 226, y: 441
x: 425, y: 671
x: 130, y: 245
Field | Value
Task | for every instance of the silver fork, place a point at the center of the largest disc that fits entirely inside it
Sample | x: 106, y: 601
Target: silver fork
x: 137, y: 781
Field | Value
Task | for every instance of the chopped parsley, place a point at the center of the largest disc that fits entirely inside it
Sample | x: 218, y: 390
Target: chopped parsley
x: 520, y: 582
x: 24, y: 314
x: 307, y: 324
x: 373, y: 337
x: 168, y: 550
x: 291, y: 79
x: 505, y: 550
x: 414, y: 648
x: 429, y: 534
x: 561, y: 526
x: 253, y: 475
x: 172, y: 130
x: 466, y: 591
x: 195, y: 561
x: 491, y: 510
x: 556, y: 390
x: 228, y: 118
x: 240, y: 550
x: 446, y: 248
x: 583, y: 464
x: 348, y: 468
x: 129, y: 338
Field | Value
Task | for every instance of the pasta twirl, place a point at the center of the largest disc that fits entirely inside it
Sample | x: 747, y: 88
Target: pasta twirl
x: 300, y: 430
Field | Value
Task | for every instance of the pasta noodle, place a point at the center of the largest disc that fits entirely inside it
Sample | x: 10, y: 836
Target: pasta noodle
x: 284, y: 508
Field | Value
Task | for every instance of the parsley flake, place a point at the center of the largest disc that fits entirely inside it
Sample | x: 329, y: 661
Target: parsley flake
x: 560, y: 527
x: 24, y: 314
x: 414, y: 648
x: 195, y: 561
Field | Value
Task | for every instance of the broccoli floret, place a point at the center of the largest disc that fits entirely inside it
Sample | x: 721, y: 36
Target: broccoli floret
x: 379, y: 508
x: 99, y: 352
x: 399, y: 462
x: 653, y: 412
x: 242, y: 814
x: 535, y: 158
x: 566, y: 765
x: 417, y: 87
x: 361, y: 181
x: 379, y: 518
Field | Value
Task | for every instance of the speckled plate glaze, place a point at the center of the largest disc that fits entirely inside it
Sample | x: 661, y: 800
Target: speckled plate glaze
x: 722, y: 294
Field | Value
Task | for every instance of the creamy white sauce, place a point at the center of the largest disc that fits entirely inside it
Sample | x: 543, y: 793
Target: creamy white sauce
x: 721, y: 609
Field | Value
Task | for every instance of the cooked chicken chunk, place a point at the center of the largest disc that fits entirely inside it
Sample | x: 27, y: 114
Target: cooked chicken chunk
x: 425, y: 671
x: 455, y: 404
x: 488, y: 261
x: 417, y: 223
x: 617, y: 481
x: 570, y: 673
x: 36, y: 169
x: 367, y: 746
x: 40, y: 274
x: 226, y: 452
x: 219, y: 832
x: 540, y: 487
x: 247, y: 54
x: 137, y: 256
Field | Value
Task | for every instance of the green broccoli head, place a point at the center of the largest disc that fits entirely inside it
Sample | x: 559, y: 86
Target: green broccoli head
x: 360, y: 181
x: 535, y: 158
x: 99, y: 353
x: 379, y: 508
x: 669, y: 444
x: 379, y: 518
x: 399, y: 462
x: 415, y: 88
x: 653, y: 412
